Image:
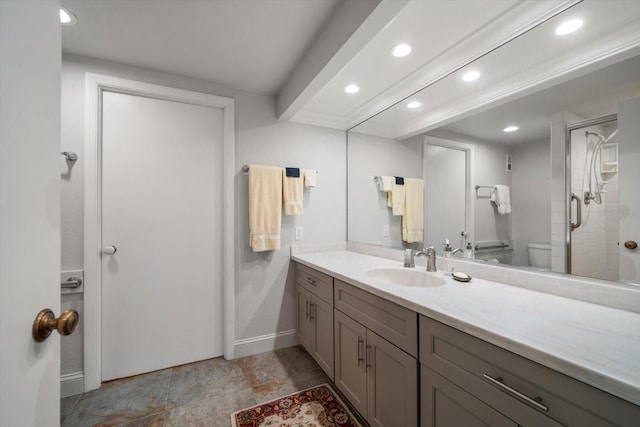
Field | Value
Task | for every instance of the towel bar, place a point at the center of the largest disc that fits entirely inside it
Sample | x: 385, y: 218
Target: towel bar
x: 245, y: 169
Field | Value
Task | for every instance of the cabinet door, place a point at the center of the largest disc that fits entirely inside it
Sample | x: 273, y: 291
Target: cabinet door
x: 305, y: 325
x: 322, y: 318
x: 350, y: 369
x: 392, y: 384
x: 443, y: 404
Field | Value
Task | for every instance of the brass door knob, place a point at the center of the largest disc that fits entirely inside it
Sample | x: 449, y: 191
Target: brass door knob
x: 630, y: 244
x: 46, y: 322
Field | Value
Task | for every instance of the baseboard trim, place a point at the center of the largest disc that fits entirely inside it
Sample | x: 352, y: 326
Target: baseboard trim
x: 71, y: 384
x: 262, y: 343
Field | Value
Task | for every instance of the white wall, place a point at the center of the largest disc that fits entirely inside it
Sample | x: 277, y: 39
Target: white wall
x: 371, y: 156
x: 531, y: 197
x: 264, y: 286
x: 490, y: 170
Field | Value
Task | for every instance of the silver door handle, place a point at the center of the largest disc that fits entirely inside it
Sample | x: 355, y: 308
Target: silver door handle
x: 578, y: 212
x: 110, y: 249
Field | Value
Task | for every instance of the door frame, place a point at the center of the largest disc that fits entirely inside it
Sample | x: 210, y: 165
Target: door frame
x: 95, y: 86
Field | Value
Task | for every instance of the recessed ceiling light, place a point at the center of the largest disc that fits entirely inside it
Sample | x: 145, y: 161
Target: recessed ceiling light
x: 352, y: 89
x: 470, y: 76
x: 400, y: 50
x: 413, y: 104
x: 568, y: 27
x: 67, y: 18
x: 510, y: 129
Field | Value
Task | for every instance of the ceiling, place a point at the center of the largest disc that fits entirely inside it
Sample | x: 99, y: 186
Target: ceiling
x: 593, y: 95
x: 532, y: 62
x: 251, y: 45
x: 304, y: 52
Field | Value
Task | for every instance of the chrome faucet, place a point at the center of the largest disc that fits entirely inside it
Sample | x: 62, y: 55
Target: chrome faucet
x: 449, y: 252
x: 430, y: 253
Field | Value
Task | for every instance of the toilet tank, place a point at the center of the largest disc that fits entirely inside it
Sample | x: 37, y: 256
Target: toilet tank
x: 539, y: 255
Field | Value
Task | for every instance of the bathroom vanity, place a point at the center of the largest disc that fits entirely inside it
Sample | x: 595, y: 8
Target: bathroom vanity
x: 446, y: 353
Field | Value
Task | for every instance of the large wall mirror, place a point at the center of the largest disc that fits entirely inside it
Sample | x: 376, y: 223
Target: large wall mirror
x: 534, y: 164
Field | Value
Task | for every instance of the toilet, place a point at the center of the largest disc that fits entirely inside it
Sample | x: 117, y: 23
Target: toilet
x: 539, y: 255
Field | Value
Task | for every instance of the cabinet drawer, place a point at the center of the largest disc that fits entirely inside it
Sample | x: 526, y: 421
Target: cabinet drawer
x: 317, y: 283
x: 496, y: 376
x: 391, y: 321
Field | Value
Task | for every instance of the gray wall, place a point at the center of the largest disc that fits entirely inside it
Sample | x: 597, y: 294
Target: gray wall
x: 264, y: 286
x: 531, y: 197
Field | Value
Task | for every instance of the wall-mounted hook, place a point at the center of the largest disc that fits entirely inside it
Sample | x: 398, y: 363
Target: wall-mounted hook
x: 71, y: 156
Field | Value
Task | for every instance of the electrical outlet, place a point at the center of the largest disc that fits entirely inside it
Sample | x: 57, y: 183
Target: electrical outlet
x: 299, y: 233
x: 385, y: 231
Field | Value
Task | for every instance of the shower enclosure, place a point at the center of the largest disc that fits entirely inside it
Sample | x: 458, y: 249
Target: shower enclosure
x: 592, y: 160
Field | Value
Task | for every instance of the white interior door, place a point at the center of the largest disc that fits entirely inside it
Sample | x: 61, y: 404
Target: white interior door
x: 445, y: 186
x: 629, y: 196
x: 29, y: 210
x: 162, y: 190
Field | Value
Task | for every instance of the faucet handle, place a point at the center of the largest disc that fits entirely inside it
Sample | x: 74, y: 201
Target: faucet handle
x: 447, y: 245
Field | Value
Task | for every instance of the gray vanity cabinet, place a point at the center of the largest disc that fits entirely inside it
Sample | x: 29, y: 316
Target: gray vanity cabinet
x: 465, y: 378
x: 379, y: 378
x: 314, y: 292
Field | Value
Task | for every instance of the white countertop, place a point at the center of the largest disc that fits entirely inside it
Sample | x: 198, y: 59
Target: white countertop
x: 595, y: 344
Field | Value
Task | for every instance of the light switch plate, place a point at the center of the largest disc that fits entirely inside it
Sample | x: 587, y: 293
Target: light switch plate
x: 299, y: 233
x: 385, y: 231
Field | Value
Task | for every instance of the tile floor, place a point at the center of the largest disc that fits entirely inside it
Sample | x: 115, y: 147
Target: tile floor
x: 198, y: 394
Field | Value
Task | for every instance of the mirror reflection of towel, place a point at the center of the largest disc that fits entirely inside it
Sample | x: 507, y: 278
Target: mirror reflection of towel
x: 500, y: 195
x: 413, y: 219
x: 396, y: 199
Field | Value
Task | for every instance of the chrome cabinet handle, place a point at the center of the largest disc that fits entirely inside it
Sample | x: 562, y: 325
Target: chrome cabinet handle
x: 311, y: 310
x: 360, y: 358
x: 578, y: 212
x: 310, y: 280
x: 536, y: 402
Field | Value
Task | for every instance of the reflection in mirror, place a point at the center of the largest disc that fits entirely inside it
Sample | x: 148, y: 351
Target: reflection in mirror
x: 576, y: 105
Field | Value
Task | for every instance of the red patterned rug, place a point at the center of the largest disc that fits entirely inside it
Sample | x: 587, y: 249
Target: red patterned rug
x: 315, y: 407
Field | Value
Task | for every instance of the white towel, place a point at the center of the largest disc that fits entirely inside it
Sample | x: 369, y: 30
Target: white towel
x: 385, y: 183
x: 265, y: 207
x: 500, y: 195
x: 413, y: 219
x: 310, y: 177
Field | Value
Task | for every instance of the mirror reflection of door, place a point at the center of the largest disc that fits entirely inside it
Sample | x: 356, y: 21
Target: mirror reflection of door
x: 446, y: 189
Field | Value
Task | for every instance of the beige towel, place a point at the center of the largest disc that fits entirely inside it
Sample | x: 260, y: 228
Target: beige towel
x: 395, y: 200
x: 310, y: 177
x: 265, y: 207
x: 413, y: 219
x: 292, y: 190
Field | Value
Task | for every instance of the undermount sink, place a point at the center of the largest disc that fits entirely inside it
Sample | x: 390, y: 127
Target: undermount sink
x: 406, y: 277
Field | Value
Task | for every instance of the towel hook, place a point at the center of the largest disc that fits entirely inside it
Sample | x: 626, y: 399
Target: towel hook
x: 71, y: 156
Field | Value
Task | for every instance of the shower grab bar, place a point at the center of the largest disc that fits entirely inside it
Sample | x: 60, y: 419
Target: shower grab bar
x: 498, y: 246
x: 578, y: 212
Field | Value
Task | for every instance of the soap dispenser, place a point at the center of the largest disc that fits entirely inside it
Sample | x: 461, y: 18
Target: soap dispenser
x: 468, y: 251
